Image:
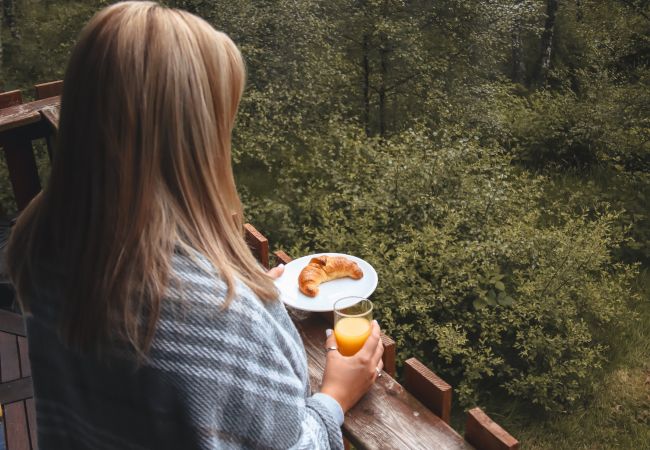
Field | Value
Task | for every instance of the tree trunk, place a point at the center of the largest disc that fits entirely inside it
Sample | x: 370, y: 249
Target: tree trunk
x: 9, y: 17
x: 547, y: 42
x: 366, y: 83
x: 579, y: 12
x: 383, y: 64
x: 518, y: 64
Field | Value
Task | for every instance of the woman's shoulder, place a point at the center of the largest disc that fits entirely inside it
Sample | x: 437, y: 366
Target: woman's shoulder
x: 196, y: 320
x: 197, y: 295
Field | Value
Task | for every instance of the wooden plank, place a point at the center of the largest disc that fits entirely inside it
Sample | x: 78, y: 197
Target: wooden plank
x: 31, y: 422
x: 9, y: 361
x: 387, y: 417
x: 485, y: 434
x: 50, y: 89
x: 13, y: 391
x: 258, y: 243
x: 23, y: 353
x: 16, y: 429
x: 22, y: 170
x: 429, y: 388
x: 10, y: 98
x: 282, y: 258
x: 19, y: 115
x: 12, y: 323
x: 390, y: 353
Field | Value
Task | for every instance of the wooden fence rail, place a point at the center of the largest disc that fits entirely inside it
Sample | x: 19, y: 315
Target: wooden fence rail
x: 391, y: 416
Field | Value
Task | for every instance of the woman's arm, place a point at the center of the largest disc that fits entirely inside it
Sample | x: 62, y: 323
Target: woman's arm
x: 240, y: 375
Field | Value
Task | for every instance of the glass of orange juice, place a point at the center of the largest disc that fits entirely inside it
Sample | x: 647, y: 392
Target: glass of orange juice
x: 352, y: 317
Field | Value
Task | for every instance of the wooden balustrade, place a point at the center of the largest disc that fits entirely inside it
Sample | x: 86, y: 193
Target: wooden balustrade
x: 430, y: 389
x: 414, y: 415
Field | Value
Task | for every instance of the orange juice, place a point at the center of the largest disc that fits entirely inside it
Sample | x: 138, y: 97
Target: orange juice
x: 351, y: 333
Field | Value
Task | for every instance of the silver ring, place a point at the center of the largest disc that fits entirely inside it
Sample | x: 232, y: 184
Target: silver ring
x: 378, y: 372
x: 329, y: 349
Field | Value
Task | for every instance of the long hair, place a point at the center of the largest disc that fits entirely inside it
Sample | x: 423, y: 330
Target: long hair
x: 142, y: 167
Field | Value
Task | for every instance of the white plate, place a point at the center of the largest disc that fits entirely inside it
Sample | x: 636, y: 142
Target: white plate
x: 329, y: 292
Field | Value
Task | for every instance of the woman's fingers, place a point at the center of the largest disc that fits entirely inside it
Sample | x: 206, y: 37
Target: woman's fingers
x: 379, y: 351
x: 370, y: 347
x: 330, y: 342
x: 276, y: 272
x: 380, y: 367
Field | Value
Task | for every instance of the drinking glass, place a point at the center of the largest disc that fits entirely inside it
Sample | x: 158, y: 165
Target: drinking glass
x: 352, y: 317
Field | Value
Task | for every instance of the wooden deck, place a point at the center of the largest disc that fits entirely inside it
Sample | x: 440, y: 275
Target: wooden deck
x: 16, y: 394
x: 390, y: 416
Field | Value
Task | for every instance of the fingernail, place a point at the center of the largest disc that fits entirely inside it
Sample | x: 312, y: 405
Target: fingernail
x: 377, y: 323
x: 328, y: 332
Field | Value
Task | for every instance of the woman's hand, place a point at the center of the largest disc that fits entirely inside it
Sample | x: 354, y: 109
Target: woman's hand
x: 347, y: 378
x: 276, y: 272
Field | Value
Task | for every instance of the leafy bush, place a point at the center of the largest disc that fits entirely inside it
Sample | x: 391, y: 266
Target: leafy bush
x: 556, y: 129
x: 605, y: 124
x: 476, y: 278
x: 628, y: 192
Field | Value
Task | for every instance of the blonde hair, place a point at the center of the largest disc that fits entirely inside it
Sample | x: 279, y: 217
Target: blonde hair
x: 142, y: 166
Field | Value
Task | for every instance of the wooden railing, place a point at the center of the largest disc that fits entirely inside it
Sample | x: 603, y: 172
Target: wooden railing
x: 415, y: 414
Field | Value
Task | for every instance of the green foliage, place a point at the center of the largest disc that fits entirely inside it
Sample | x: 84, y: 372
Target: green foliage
x: 476, y: 277
x: 626, y: 192
x: 39, y: 49
x: 404, y: 132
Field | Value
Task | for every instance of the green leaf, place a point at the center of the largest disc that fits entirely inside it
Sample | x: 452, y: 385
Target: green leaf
x: 506, y: 300
x: 500, y: 286
x: 479, y: 303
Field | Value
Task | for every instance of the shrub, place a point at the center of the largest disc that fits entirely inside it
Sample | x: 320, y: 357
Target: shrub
x: 492, y: 290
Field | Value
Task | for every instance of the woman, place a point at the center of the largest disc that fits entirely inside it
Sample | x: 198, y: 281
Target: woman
x: 150, y: 323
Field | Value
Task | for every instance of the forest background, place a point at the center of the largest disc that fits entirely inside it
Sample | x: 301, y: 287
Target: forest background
x: 491, y: 158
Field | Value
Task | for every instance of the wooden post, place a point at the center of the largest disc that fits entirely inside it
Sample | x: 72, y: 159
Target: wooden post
x: 258, y: 244
x: 281, y: 257
x: 429, y: 388
x: 19, y: 156
x: 22, y: 170
x: 47, y: 90
x: 485, y: 434
x: 10, y: 98
x: 390, y: 351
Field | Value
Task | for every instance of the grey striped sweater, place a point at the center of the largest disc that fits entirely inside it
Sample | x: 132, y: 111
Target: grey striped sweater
x: 231, y: 379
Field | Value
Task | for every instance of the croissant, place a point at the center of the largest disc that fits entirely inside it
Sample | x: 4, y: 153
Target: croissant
x: 326, y: 268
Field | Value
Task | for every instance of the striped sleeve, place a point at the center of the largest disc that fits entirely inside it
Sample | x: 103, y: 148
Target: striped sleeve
x: 241, y: 375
